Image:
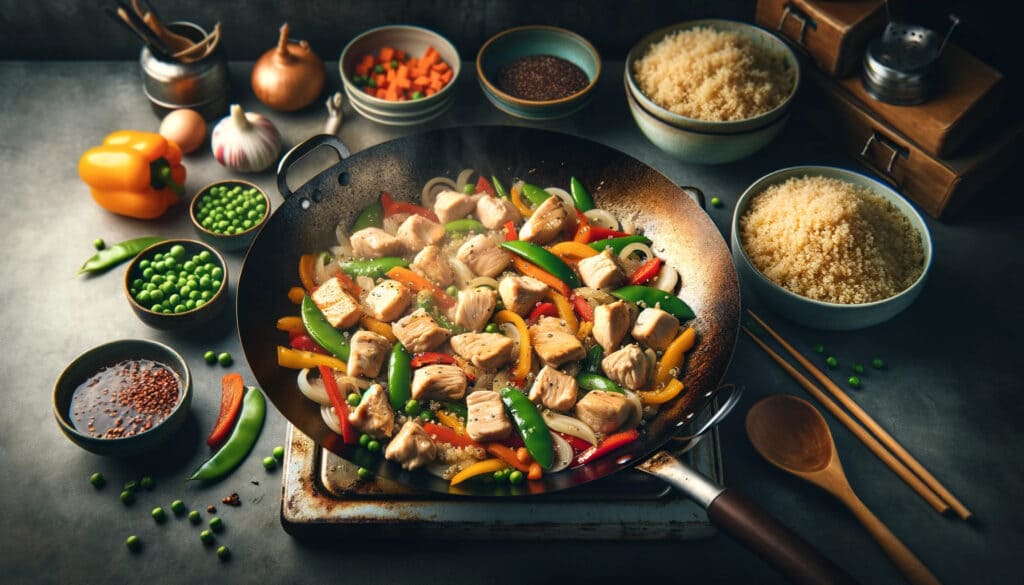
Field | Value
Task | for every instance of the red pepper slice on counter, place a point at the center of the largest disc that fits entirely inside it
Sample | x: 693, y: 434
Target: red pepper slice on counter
x: 232, y: 388
x: 542, y: 310
x: 446, y: 435
x: 510, y: 231
x: 304, y: 342
x: 600, y: 233
x: 578, y: 445
x: 431, y: 357
x: 392, y: 207
x: 647, y: 271
x: 583, y: 309
x: 348, y: 433
x: 484, y: 186
x: 610, y: 443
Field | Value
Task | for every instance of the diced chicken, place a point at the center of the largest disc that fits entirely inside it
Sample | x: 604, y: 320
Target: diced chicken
x: 439, y: 382
x: 487, y: 351
x: 601, y: 271
x: 494, y: 212
x: 655, y: 328
x: 418, y: 232
x: 387, y: 301
x: 554, y: 342
x: 432, y: 264
x: 603, y: 411
x: 475, y: 307
x: 374, y: 242
x: 521, y: 293
x: 487, y: 419
x: 611, y: 322
x: 374, y: 416
x: 628, y: 367
x: 339, y: 308
x: 412, y: 447
x: 366, y: 354
x: 547, y: 221
x: 484, y: 256
x: 418, y: 332
x: 554, y: 389
x: 452, y: 205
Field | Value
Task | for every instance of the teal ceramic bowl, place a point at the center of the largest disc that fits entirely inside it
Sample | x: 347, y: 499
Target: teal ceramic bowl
x: 814, y: 313
x: 515, y: 43
x: 92, y: 361
x: 228, y: 242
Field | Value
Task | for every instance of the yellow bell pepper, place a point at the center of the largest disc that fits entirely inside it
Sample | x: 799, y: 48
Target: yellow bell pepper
x: 479, y: 468
x: 522, y: 368
x: 673, y: 357
x: 291, y: 325
x: 379, y: 327
x: 670, y: 391
x: 137, y: 174
x: 565, y: 312
x: 297, y: 359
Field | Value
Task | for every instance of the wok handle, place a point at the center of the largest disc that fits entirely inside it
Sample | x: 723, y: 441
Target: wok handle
x: 749, y: 523
x: 302, y: 149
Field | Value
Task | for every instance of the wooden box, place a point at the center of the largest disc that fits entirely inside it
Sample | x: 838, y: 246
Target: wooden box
x: 834, y: 34
x: 938, y: 186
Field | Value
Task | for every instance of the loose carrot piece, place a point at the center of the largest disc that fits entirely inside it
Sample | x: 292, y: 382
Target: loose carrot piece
x: 446, y: 76
x: 421, y: 81
x: 439, y: 67
x: 370, y: 90
x: 382, y: 80
x: 382, y: 93
x: 535, y: 472
x: 400, y: 54
x: 508, y: 455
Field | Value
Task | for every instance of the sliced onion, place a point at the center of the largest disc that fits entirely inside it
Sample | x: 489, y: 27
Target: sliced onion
x: 569, y: 425
x: 628, y: 225
x: 330, y: 418
x: 638, y: 410
x: 464, y: 176
x: 601, y: 218
x: 630, y: 249
x: 667, y: 279
x: 652, y: 360
x: 594, y: 296
x: 432, y: 188
x: 314, y: 390
x: 463, y: 275
x: 564, y: 196
x: 365, y: 283
x: 325, y: 268
x: 483, y: 281
x: 439, y: 469
x: 352, y: 383
x: 344, y: 247
x: 500, y: 380
x: 510, y: 331
x: 563, y: 453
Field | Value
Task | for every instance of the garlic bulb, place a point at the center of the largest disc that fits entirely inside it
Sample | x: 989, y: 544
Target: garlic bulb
x: 243, y: 142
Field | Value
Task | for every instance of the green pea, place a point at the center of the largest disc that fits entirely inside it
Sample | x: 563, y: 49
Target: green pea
x: 217, y: 273
x: 269, y: 463
x: 452, y: 291
x: 373, y: 446
x: 364, y: 439
x: 133, y: 543
x: 516, y: 477
x: 156, y: 295
x: 877, y: 363
x: 178, y: 507
x: 499, y: 475
x: 412, y: 407
x: 205, y: 255
x: 426, y: 415
x: 223, y: 552
x: 97, y: 480
x: 127, y: 497
x: 131, y: 485
x: 858, y: 368
x: 364, y: 473
x: 215, y: 285
x: 224, y: 359
x: 716, y: 202
x: 147, y: 483
x: 279, y: 452
x: 144, y: 264
x: 158, y: 514
x: 417, y: 95
x: 216, y: 524
x: 831, y: 361
x: 469, y: 189
x: 177, y: 251
x: 194, y: 517
x: 352, y: 399
x: 819, y: 348
x: 206, y: 537
x: 854, y: 381
x: 157, y: 308
x: 210, y: 356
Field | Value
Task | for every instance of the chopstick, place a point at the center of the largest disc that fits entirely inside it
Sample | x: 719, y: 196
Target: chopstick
x: 899, y: 460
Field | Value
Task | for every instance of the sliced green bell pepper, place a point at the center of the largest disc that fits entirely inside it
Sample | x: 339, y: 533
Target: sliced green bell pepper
x: 375, y: 268
x: 617, y: 244
x: 531, y: 426
x: 322, y: 331
x: 647, y: 296
x: 580, y: 196
x: 589, y: 381
x: 546, y: 260
x: 371, y: 216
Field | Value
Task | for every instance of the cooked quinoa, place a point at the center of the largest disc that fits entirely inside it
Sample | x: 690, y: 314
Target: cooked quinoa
x: 713, y: 75
x: 832, y: 241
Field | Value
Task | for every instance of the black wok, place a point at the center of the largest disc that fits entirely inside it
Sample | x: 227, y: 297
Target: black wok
x: 305, y: 222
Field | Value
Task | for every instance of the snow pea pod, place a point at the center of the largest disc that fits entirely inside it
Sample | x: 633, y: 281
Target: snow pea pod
x: 322, y: 331
x: 592, y: 363
x: 499, y: 188
x: 241, y: 441
x: 118, y: 253
x: 545, y: 260
x: 460, y: 226
x: 531, y: 426
x: 371, y: 216
x: 589, y: 381
x: 375, y: 268
x: 647, y: 296
x: 535, y: 194
x: 399, y: 376
x: 617, y: 244
x: 580, y: 196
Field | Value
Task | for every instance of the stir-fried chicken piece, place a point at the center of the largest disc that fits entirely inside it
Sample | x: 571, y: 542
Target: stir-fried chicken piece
x: 521, y: 293
x: 655, y: 328
x: 339, y: 308
x: 412, y: 447
x: 374, y: 416
x: 611, y: 322
x: 494, y: 212
x: 554, y: 389
x: 418, y: 332
x: 366, y: 354
x: 603, y: 411
x: 554, y: 342
x: 628, y: 367
x: 487, y: 419
x: 601, y: 271
x: 432, y: 264
x: 475, y: 307
x: 549, y: 219
x: 487, y: 351
x: 484, y: 256
x: 452, y: 205
x: 418, y: 232
x: 439, y: 382
x: 387, y: 301
x: 374, y: 242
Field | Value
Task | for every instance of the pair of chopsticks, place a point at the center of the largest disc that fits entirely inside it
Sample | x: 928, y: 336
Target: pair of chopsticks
x: 877, y: 440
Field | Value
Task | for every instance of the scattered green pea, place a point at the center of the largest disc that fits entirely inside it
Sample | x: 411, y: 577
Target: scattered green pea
x: 858, y: 368
x: 492, y: 328
x: 278, y: 453
x: 127, y: 497
x: 515, y: 477
x: 97, y: 480
x: 131, y: 485
x: 195, y: 517
x: 147, y: 483
x: 499, y: 475
x: 364, y: 439
x: 352, y: 399
x: 877, y: 363
x: 469, y: 189
x: 853, y: 381
x: 99, y: 244
x: 831, y: 361
x: 158, y: 514
x: 216, y: 524
x: 223, y: 552
x: 412, y: 407
x: 716, y: 202
x: 133, y: 543
x: 819, y: 348
x: 453, y: 291
x: 224, y: 359
x: 364, y: 473
x: 178, y: 507
x: 373, y: 446
x: 225, y: 211
x: 269, y: 463
x: 206, y: 537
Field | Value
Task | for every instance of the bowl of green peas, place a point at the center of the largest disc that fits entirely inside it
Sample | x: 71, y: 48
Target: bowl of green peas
x: 177, y: 284
x: 229, y: 214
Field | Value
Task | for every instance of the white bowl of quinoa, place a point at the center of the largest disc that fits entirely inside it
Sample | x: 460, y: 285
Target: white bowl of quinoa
x: 830, y: 248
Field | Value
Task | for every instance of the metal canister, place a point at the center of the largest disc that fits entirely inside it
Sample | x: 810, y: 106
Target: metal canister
x: 201, y: 85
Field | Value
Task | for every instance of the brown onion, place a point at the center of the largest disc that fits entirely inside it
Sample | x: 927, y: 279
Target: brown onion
x: 289, y: 76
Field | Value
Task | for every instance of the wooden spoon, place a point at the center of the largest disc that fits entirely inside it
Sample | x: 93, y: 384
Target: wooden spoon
x: 793, y: 436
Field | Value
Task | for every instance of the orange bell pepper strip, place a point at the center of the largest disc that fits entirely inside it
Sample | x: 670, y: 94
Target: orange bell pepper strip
x: 522, y: 368
x: 517, y: 201
x: 136, y: 174
x: 451, y: 421
x: 379, y: 327
x: 670, y: 391
x: 673, y: 357
x: 306, y: 272
x: 508, y: 455
x: 531, y: 269
x: 417, y: 282
x: 291, y: 325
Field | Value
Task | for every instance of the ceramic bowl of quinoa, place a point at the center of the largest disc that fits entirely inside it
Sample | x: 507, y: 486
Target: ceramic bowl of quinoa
x: 830, y: 248
x: 538, y: 72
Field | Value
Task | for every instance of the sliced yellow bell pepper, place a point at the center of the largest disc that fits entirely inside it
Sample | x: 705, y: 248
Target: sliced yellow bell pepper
x: 291, y: 325
x: 479, y: 468
x: 585, y: 328
x: 297, y: 359
x: 451, y: 421
x: 673, y: 357
x: 565, y: 312
x: 572, y: 252
x: 518, y: 202
x: 379, y: 327
x: 670, y: 391
x: 522, y: 368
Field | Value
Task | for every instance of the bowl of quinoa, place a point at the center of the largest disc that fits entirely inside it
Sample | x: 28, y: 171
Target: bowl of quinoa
x: 830, y: 248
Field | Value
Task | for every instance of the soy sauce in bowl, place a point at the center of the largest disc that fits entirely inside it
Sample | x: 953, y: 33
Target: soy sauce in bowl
x: 125, y: 399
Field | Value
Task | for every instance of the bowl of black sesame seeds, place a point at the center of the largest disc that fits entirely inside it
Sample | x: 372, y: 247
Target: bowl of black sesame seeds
x: 538, y: 72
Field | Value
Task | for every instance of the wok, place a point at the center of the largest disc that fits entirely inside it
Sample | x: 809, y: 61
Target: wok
x: 684, y: 236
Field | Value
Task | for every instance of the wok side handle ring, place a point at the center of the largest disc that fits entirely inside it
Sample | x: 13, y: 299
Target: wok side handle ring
x: 735, y: 393
x: 302, y: 149
x: 695, y: 193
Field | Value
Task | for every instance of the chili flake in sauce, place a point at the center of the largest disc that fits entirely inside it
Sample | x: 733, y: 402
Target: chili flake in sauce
x: 541, y: 78
x: 125, y: 399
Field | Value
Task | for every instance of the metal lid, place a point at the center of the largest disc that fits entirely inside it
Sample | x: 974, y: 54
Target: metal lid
x: 900, y: 67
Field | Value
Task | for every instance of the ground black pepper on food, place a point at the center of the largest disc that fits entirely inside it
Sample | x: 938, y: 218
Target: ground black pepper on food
x: 541, y: 78
x: 125, y: 399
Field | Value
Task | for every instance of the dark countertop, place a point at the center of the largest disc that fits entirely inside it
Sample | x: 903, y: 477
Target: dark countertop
x: 950, y: 392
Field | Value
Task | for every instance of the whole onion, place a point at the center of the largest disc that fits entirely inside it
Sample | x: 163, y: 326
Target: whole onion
x: 289, y: 76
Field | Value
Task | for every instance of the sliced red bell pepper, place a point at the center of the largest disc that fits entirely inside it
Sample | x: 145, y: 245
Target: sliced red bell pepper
x: 392, y: 207
x: 647, y: 271
x: 542, y: 310
x: 609, y: 444
x: 232, y: 388
x: 600, y: 233
x: 510, y: 231
x: 429, y: 358
x: 513, y: 441
x: 583, y: 309
x: 348, y: 432
x: 447, y: 435
x: 304, y: 342
x: 484, y: 186
x: 578, y: 445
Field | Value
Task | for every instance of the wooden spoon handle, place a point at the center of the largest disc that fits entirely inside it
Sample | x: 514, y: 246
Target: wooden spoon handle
x: 912, y: 568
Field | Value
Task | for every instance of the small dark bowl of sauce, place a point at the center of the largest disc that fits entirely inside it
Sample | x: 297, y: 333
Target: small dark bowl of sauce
x: 124, y: 397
